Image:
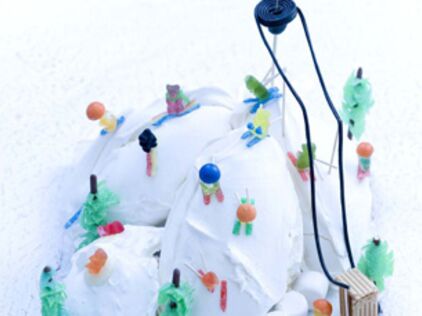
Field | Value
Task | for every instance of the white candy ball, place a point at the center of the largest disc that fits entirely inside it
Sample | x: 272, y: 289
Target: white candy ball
x: 293, y: 304
x: 313, y: 285
x: 277, y: 313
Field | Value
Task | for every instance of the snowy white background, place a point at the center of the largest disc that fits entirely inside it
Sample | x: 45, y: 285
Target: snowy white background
x: 57, y: 56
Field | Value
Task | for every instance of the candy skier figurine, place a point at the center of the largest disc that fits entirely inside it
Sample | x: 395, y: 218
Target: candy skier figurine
x: 52, y: 294
x: 175, y: 299
x: 97, y: 111
x: 357, y: 100
x: 148, y: 142
x: 178, y: 104
x: 364, y: 151
x: 262, y: 94
x: 209, y: 176
x: 246, y: 214
x: 258, y: 128
x: 302, y: 162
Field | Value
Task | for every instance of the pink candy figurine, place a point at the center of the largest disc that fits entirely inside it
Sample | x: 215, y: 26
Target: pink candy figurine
x: 364, y: 151
x: 113, y: 228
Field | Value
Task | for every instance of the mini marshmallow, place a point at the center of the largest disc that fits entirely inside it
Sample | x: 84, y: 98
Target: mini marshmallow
x: 313, y: 285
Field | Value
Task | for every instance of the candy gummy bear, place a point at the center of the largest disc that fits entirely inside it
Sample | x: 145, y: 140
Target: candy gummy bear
x: 176, y: 99
x: 97, y: 261
x: 257, y: 88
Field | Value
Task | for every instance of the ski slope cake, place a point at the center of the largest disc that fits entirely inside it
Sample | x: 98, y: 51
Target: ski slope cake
x: 200, y: 205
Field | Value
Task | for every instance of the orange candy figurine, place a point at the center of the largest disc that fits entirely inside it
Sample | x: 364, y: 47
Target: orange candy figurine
x: 322, y: 307
x: 364, y: 151
x: 97, y: 262
x: 210, y: 281
x: 246, y: 214
x: 97, y: 111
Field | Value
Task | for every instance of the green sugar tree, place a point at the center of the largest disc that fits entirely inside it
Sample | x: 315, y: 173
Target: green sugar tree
x: 357, y: 100
x: 303, y: 157
x: 175, y: 299
x: 95, y: 210
x: 377, y: 262
x: 52, y: 294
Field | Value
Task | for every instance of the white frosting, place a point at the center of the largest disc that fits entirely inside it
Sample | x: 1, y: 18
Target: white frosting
x: 119, y: 160
x: 257, y: 268
x: 128, y: 284
x: 358, y: 194
x: 313, y: 285
x: 293, y: 304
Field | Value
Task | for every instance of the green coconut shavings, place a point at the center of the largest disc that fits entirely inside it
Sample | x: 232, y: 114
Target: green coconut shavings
x: 377, y: 262
x: 357, y: 100
x: 175, y: 301
x: 95, y: 212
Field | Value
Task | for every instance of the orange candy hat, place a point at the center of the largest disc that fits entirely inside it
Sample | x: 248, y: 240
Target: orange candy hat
x: 95, y: 110
x: 365, y: 149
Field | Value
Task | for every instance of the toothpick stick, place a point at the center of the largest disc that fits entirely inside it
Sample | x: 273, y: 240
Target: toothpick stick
x: 193, y: 270
x: 333, y: 153
x: 283, y: 110
x: 325, y: 163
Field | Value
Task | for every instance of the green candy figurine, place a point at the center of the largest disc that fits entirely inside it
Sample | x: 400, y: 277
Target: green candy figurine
x: 357, y: 100
x: 52, y: 294
x: 377, y: 262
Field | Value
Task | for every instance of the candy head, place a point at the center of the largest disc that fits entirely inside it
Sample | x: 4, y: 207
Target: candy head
x: 173, y: 90
x: 95, y: 110
x: 209, y: 173
x: 365, y: 149
x: 147, y: 140
x: 322, y: 307
x: 246, y: 213
x: 97, y: 261
x: 46, y: 277
x: 210, y: 280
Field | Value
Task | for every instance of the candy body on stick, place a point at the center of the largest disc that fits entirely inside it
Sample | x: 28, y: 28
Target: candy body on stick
x: 52, y: 294
x: 364, y: 151
x: 301, y: 162
x: 209, y: 176
x: 97, y: 111
x: 357, y: 100
x: 148, y: 142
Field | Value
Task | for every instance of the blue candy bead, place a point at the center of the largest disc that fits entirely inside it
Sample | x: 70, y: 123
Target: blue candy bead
x: 209, y: 173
